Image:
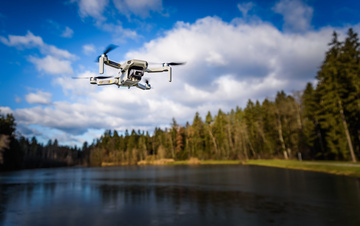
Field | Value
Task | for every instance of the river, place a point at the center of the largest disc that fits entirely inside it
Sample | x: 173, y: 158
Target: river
x: 178, y: 195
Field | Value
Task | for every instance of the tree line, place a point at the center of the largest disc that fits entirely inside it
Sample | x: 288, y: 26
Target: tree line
x: 321, y: 122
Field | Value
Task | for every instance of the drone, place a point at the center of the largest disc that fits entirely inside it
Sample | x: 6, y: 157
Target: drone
x: 130, y: 73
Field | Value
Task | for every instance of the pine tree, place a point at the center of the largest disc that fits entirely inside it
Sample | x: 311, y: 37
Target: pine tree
x: 331, y: 114
x: 312, y: 133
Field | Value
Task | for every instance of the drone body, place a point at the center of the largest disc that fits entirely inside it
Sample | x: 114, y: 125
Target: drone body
x: 130, y: 73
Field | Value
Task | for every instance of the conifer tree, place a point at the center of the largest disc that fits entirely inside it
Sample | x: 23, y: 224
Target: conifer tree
x: 331, y: 114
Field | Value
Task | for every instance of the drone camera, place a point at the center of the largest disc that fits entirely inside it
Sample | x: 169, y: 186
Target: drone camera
x: 136, y: 74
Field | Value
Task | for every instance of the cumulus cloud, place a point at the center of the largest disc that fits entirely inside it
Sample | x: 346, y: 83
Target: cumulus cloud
x: 39, y: 97
x: 245, y: 7
x: 56, y: 61
x: 5, y: 110
x: 297, y: 15
x: 92, y: 8
x: 227, y: 64
x: 67, y: 33
x: 64, y: 31
x: 31, y: 41
x: 89, y: 49
x: 140, y: 8
x: 118, y: 31
x: 52, y: 65
x: 97, y: 10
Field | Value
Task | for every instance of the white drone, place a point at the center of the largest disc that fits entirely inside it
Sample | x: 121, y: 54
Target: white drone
x: 130, y: 73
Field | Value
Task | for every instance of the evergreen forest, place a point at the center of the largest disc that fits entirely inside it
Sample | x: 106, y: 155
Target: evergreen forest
x: 322, y: 122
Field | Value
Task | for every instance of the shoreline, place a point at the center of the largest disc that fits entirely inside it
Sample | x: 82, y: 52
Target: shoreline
x: 331, y: 167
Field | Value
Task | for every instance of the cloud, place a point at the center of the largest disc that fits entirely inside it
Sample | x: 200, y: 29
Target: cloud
x: 17, y: 99
x: 92, y: 8
x: 88, y: 49
x: 97, y: 10
x: 297, y: 15
x: 52, y: 65
x: 118, y: 31
x: 67, y: 33
x: 140, y: 8
x: 30, y: 41
x: 64, y: 31
x: 245, y: 7
x: 39, y: 97
x: 227, y: 64
x: 77, y: 87
x: 56, y: 61
x: 5, y: 110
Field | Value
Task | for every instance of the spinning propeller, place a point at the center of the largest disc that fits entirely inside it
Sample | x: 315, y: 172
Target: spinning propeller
x: 108, y: 49
x: 175, y: 63
x: 170, y: 63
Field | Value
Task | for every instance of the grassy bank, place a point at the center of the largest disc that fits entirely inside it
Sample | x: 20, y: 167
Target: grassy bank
x: 339, y: 168
x: 206, y: 162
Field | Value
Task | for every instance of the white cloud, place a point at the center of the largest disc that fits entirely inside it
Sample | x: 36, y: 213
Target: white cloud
x: 118, y: 31
x: 227, y: 64
x: 97, y: 10
x: 67, y: 33
x: 39, y: 98
x: 52, y: 65
x: 140, y: 8
x: 17, y: 99
x: 245, y: 7
x: 89, y: 49
x: 5, y: 110
x: 57, y: 61
x: 28, y: 41
x: 77, y: 87
x: 92, y: 8
x: 31, y: 41
x: 297, y: 15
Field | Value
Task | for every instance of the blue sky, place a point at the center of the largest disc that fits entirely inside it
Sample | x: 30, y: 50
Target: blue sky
x: 235, y: 51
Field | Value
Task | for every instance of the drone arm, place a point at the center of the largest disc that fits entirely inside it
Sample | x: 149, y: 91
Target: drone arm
x: 104, y: 60
x: 106, y: 82
x: 112, y: 64
x: 161, y: 69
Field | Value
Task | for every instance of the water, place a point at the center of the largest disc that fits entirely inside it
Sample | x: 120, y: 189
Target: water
x: 178, y: 195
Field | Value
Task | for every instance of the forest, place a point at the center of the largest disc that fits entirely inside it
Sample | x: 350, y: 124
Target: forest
x: 318, y: 123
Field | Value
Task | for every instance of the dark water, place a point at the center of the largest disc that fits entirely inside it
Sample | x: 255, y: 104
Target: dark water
x: 178, y: 195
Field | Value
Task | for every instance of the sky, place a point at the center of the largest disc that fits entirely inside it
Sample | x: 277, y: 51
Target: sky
x: 234, y: 51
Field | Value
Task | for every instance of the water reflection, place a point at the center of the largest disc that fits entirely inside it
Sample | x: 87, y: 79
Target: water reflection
x: 177, y: 195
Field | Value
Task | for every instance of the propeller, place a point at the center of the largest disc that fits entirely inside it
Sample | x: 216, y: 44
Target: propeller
x: 175, y: 63
x: 170, y: 63
x: 109, y: 48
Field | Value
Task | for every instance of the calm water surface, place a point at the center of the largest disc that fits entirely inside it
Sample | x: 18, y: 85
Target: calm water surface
x: 178, y: 195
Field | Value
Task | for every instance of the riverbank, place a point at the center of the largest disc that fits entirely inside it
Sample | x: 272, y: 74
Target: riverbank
x: 339, y: 168
x: 332, y: 167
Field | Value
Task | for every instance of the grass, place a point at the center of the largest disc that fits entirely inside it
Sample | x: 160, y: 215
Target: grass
x: 207, y: 162
x: 333, y: 167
